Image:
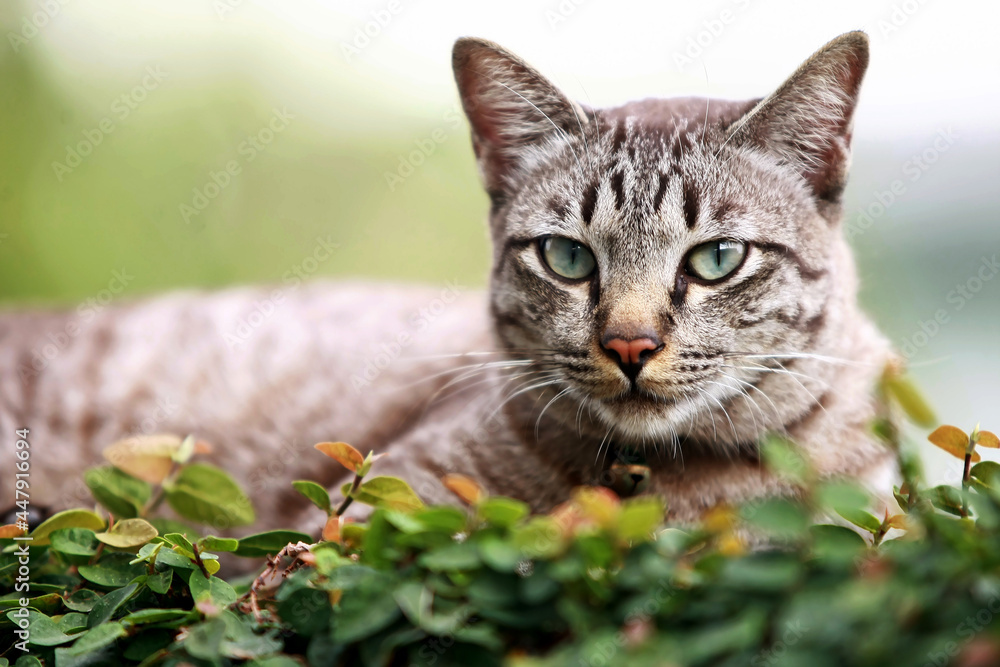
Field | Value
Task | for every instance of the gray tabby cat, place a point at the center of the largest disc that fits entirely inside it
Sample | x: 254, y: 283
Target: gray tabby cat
x: 670, y: 281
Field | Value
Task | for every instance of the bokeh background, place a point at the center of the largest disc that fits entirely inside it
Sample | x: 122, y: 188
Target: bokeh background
x: 202, y: 143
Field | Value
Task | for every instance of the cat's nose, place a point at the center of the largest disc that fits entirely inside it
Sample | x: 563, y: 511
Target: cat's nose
x: 632, y: 353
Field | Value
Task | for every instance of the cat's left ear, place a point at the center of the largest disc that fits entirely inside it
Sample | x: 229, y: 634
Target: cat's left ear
x: 511, y: 107
x: 807, y: 122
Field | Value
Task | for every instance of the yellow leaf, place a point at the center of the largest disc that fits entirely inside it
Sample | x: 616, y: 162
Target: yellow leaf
x: 7, y: 532
x: 342, y: 453
x: 599, y: 504
x: 987, y: 439
x: 952, y: 440
x: 464, y: 487
x: 148, y: 457
x: 211, y: 565
x: 128, y: 533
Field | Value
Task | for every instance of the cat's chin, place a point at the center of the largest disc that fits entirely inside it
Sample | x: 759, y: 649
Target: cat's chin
x: 644, y: 416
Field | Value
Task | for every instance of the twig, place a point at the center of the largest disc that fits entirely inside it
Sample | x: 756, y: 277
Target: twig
x: 349, y: 498
x: 273, y: 563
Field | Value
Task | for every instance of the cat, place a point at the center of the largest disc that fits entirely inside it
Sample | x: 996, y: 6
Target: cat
x: 670, y: 283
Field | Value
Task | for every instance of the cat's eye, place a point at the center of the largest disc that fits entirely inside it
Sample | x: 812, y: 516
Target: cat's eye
x: 716, y: 259
x: 568, y: 258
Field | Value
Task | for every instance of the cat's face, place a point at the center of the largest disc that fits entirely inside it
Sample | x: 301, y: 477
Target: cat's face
x: 664, y: 258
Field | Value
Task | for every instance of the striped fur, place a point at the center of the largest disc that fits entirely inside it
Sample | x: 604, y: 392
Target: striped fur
x: 513, y: 387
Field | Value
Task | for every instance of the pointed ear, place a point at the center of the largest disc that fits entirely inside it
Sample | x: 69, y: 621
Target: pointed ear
x: 807, y: 122
x: 510, y: 107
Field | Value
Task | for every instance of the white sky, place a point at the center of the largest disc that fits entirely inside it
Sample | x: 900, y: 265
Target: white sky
x: 933, y: 63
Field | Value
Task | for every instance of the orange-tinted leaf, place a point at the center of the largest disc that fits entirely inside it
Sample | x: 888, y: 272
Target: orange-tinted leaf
x: 897, y: 521
x: 342, y: 453
x: 148, y: 457
x: 7, y: 532
x: 464, y: 487
x: 331, y: 531
x: 952, y: 440
x: 987, y: 439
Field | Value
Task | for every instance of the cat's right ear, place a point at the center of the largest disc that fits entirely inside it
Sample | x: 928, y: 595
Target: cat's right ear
x: 510, y: 107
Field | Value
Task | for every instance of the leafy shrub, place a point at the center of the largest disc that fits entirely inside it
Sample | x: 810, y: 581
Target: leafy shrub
x: 599, y: 581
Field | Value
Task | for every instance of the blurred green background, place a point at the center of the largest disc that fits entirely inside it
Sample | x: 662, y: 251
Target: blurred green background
x: 76, y: 78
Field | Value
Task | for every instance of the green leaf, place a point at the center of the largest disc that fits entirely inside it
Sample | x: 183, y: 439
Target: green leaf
x: 540, y: 537
x: 82, y: 600
x: 181, y: 544
x: 456, y: 556
x: 861, y: 519
x: 122, y: 494
x: 785, y: 460
x: 269, y: 543
x: 503, y: 512
x: 108, y: 606
x: 390, y: 492
x: 67, y: 519
x: 315, y: 493
x: 837, y: 544
x: 185, y: 451
x: 148, y: 616
x: 366, y: 609
x: 160, y: 582
x: 213, y: 589
x: 910, y: 399
x: 778, y: 517
x: 78, y: 542
x: 499, y: 554
x: 97, y: 638
x: 213, y: 543
x: 28, y: 660
x: 639, y: 517
x: 946, y: 498
x: 207, y: 495
x: 112, y: 571
x: 443, y: 518
x: 988, y: 472
x: 72, y: 623
x: 44, y: 631
x: 128, y: 533
x: 205, y: 640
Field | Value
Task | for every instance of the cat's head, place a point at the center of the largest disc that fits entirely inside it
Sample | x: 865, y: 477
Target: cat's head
x: 664, y: 259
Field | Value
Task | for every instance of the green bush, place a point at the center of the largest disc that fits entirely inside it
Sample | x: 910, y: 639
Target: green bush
x: 599, y: 581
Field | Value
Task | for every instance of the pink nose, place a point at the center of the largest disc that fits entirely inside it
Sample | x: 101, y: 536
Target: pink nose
x: 630, y: 351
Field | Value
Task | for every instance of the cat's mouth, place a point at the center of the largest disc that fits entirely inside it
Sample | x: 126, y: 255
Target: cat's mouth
x: 637, y: 397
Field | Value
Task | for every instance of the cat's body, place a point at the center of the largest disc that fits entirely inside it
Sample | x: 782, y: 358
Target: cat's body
x: 669, y: 278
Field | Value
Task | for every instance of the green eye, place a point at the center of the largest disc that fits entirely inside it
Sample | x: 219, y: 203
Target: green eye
x: 568, y: 258
x: 716, y: 259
